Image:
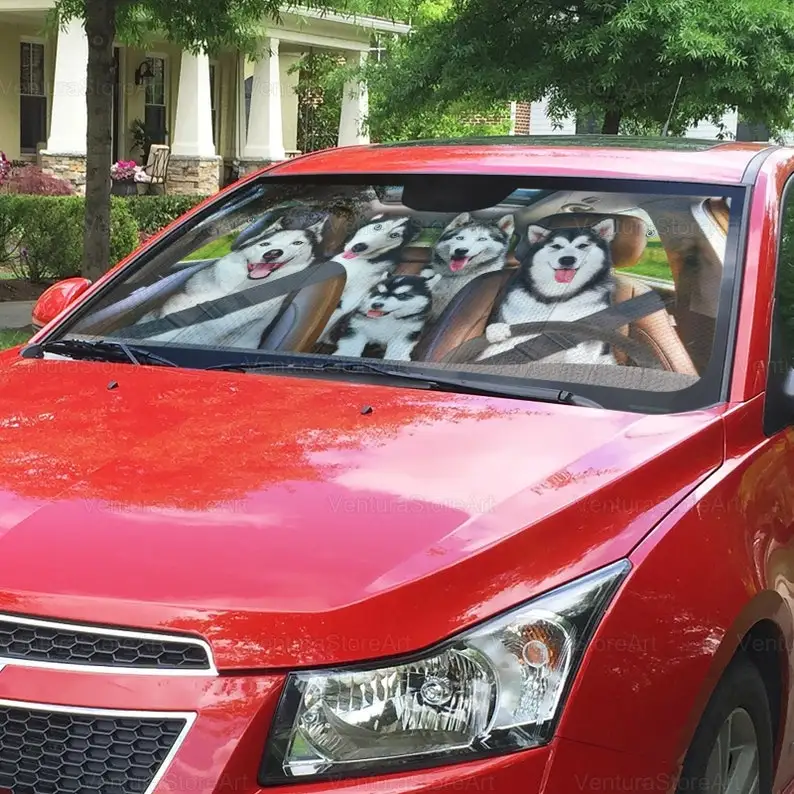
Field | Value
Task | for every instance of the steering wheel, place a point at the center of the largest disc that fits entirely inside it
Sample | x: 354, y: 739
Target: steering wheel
x: 640, y: 353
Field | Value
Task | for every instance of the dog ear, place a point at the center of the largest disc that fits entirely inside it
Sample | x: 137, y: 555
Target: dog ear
x: 537, y: 233
x: 508, y: 225
x: 431, y: 281
x: 460, y: 220
x: 276, y: 226
x: 605, y: 229
x: 427, y: 273
x: 317, y: 228
x: 413, y: 228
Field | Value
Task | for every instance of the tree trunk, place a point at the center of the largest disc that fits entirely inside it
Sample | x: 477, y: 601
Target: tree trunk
x: 611, y: 124
x: 100, y: 26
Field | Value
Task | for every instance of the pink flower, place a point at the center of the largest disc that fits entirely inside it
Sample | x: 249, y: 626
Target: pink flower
x: 124, y: 170
x: 5, y: 167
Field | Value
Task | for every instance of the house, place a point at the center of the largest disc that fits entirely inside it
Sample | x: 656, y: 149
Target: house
x: 213, y: 114
x: 532, y: 118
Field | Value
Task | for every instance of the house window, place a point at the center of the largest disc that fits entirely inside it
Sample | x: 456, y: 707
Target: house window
x: 213, y: 103
x: 155, y: 107
x: 32, y: 97
x: 751, y: 132
x: 378, y: 52
x: 586, y: 124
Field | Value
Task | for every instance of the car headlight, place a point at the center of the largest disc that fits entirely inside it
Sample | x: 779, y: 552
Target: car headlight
x: 496, y: 688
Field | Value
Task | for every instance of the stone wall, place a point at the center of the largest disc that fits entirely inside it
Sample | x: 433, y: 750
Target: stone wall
x: 249, y: 166
x: 193, y: 176
x: 70, y: 167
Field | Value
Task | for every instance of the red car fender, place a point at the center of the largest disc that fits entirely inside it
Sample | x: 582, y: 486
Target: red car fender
x: 660, y: 650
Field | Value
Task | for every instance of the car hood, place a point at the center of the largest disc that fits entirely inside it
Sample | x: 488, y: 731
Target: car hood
x: 302, y: 521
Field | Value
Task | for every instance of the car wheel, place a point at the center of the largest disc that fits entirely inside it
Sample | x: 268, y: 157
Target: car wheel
x: 732, y: 747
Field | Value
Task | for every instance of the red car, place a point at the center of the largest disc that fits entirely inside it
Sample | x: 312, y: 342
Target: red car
x: 404, y: 468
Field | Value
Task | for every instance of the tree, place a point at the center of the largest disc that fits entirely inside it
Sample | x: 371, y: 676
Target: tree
x: 196, y: 25
x: 320, y: 92
x: 622, y: 60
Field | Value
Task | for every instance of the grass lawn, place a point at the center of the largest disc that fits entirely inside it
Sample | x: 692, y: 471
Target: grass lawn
x: 653, y: 263
x: 11, y: 337
x: 214, y: 250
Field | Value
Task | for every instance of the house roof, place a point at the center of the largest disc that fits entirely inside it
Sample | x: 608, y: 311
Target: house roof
x: 373, y: 23
x: 614, y: 157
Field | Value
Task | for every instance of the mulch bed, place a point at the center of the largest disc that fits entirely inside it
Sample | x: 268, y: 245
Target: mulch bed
x: 18, y: 289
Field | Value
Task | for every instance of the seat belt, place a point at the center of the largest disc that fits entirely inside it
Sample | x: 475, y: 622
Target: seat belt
x: 610, y: 319
x: 230, y: 304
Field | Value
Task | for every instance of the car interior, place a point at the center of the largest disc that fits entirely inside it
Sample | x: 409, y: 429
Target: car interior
x: 691, y: 233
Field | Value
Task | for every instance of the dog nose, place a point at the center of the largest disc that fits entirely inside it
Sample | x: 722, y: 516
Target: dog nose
x: 377, y: 305
x: 567, y: 261
x: 359, y: 247
x: 459, y: 253
x: 273, y: 253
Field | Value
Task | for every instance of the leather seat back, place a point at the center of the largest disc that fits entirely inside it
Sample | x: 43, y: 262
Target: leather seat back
x: 305, y: 313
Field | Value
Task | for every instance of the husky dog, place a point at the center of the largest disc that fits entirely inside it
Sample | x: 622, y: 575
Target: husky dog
x: 376, y: 244
x: 565, y: 276
x: 392, y: 315
x: 274, y: 253
x: 466, y: 249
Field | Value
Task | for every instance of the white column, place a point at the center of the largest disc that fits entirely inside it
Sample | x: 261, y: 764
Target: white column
x: 69, y: 118
x: 265, y: 139
x: 239, y: 138
x: 355, y: 107
x: 193, y: 125
x: 513, y: 112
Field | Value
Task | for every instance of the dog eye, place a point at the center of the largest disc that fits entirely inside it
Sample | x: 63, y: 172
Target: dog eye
x: 394, y: 234
x: 582, y: 246
x: 555, y: 246
x: 298, y: 242
x: 378, y: 227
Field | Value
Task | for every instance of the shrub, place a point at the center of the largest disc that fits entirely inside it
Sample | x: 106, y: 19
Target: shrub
x: 32, y: 181
x: 41, y: 237
x: 153, y: 213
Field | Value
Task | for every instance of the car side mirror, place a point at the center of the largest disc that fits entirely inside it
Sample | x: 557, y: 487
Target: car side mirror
x: 56, y: 299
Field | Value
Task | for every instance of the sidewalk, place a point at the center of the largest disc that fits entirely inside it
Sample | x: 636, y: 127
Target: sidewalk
x: 15, y: 314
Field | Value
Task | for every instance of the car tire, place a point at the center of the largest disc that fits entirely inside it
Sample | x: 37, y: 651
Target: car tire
x: 738, y: 709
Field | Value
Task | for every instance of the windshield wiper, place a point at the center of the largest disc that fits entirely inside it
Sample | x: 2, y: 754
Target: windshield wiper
x: 96, y: 351
x: 437, y: 382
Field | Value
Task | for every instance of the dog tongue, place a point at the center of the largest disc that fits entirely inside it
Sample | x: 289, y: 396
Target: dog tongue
x: 262, y: 269
x: 349, y: 255
x: 458, y: 264
x: 375, y: 313
x: 564, y: 276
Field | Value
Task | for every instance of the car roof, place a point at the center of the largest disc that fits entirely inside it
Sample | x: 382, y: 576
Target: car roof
x: 605, y: 156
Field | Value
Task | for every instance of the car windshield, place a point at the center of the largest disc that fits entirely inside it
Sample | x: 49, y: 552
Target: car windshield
x: 621, y: 292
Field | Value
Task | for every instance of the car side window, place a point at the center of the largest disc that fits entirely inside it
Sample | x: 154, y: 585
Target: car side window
x: 779, y: 412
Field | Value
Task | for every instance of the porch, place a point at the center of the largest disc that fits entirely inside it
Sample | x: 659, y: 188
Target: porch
x: 220, y: 117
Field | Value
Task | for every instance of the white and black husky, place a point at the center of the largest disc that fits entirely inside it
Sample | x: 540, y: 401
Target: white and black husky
x: 565, y: 276
x: 273, y: 254
x: 468, y: 248
x: 392, y: 316
x: 375, y: 245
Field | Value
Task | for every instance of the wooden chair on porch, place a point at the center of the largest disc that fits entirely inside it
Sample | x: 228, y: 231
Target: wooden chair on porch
x: 155, y: 171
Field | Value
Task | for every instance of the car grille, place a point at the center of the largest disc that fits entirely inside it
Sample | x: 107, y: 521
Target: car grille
x: 40, y: 642
x: 50, y: 750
